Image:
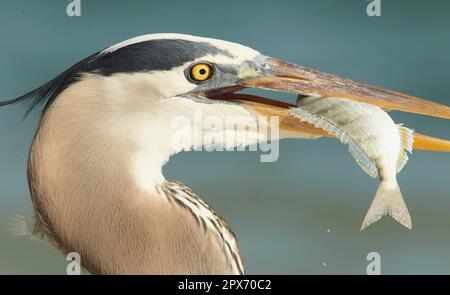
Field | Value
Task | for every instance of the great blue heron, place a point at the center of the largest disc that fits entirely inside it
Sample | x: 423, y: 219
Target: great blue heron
x: 94, y: 168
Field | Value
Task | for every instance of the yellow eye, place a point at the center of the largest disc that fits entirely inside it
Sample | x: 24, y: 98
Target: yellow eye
x: 201, y: 72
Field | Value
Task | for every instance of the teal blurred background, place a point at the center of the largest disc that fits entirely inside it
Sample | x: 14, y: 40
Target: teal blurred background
x: 301, y: 214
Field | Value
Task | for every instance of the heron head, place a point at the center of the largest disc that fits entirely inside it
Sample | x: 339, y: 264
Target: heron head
x: 147, y: 82
x: 207, y: 74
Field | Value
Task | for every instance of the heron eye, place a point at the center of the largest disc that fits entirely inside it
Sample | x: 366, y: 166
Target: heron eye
x: 201, y: 72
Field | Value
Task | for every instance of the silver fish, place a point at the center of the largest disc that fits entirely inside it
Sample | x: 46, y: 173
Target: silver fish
x: 377, y: 144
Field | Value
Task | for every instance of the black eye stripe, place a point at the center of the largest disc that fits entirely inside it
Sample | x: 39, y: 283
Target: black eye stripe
x: 146, y: 56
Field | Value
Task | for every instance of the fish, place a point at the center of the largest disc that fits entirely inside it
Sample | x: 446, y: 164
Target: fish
x: 377, y: 144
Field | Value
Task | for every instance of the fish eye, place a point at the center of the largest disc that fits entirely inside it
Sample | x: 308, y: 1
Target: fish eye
x: 200, y: 72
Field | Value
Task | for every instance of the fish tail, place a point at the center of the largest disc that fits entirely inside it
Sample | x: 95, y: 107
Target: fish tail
x: 388, y: 200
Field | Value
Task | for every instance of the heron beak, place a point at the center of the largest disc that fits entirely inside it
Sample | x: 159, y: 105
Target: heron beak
x: 281, y: 76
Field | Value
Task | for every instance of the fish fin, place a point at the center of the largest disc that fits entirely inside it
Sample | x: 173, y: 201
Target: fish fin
x: 407, y: 141
x: 388, y: 200
x: 366, y: 164
x: 358, y: 154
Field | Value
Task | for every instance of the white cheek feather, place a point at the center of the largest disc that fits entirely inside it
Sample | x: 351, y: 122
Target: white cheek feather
x: 137, y: 110
x: 147, y: 84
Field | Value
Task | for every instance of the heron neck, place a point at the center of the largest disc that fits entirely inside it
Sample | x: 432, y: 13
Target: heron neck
x: 96, y: 184
x: 82, y: 176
